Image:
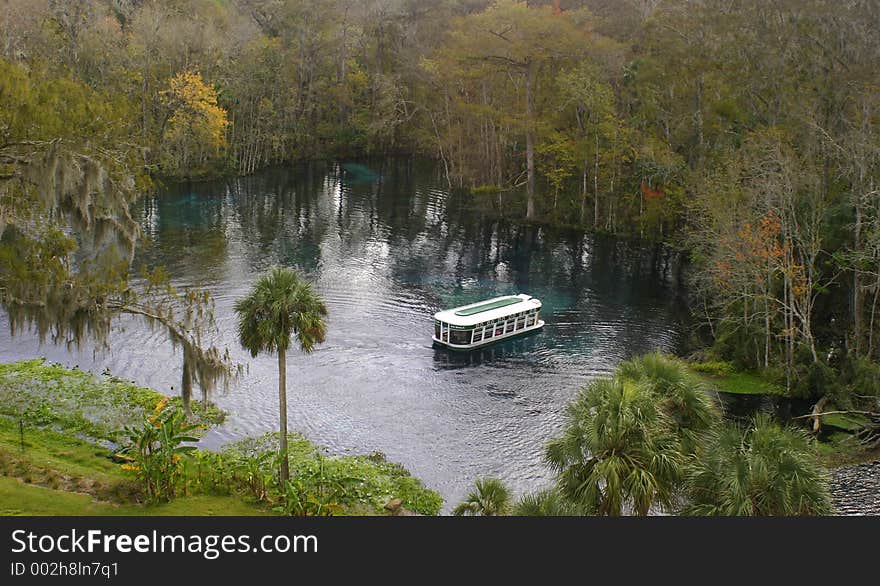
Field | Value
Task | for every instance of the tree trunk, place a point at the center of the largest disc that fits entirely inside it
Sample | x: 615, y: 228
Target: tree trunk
x: 873, y: 315
x: 530, y: 146
x: 186, y: 386
x: 343, y: 114
x: 596, y: 183
x: 584, y: 190
x: 857, y: 296
x: 698, y: 117
x: 282, y: 412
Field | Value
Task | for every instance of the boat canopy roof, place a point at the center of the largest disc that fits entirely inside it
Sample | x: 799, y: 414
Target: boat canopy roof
x: 488, y: 310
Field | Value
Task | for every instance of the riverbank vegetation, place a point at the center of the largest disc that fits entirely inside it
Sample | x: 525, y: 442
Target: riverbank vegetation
x: 650, y: 439
x: 745, y: 136
x: 72, y: 442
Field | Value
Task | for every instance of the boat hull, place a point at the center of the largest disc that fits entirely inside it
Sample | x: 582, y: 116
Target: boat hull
x: 483, y: 343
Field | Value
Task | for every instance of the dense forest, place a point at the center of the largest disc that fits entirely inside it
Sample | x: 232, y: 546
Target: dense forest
x: 743, y: 133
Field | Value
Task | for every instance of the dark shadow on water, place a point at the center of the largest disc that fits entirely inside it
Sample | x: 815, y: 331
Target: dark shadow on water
x: 515, y: 350
x: 742, y: 408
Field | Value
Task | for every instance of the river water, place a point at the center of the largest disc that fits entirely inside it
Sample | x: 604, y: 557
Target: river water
x: 387, y: 246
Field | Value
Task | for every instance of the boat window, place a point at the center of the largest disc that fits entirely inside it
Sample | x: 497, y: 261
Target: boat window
x: 509, y: 327
x: 437, y: 330
x: 478, y: 335
x: 460, y: 337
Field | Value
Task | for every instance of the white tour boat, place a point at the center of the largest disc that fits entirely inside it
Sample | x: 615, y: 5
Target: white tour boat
x: 486, y: 322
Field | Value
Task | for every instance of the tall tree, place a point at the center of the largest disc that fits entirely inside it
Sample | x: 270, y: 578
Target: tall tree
x: 281, y: 306
x: 616, y: 452
x: 516, y: 46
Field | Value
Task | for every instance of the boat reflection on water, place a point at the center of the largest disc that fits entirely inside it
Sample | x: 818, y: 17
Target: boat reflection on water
x: 517, y: 349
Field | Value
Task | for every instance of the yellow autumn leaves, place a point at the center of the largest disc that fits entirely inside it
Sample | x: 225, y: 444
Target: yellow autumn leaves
x: 195, y: 130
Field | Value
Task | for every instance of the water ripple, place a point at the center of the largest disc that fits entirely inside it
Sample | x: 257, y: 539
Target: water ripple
x: 385, y: 256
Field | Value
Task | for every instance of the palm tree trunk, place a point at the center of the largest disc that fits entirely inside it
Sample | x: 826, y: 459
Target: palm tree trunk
x: 282, y: 408
x: 186, y: 387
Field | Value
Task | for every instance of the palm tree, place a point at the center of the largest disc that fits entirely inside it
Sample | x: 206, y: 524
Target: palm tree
x: 617, y: 451
x: 691, y: 411
x: 546, y: 503
x: 765, y: 469
x: 281, y: 305
x: 489, y: 498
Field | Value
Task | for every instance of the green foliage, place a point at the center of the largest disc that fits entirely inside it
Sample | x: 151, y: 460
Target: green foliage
x: 298, y: 500
x: 866, y: 377
x: 628, y: 438
x: 688, y: 408
x: 281, y: 306
x: 815, y: 379
x: 242, y: 479
x: 744, y: 383
x: 156, y: 449
x: 547, y: 503
x: 490, y: 497
x: 95, y: 406
x: 715, y: 368
x: 762, y: 470
x: 616, y: 451
x: 321, y: 484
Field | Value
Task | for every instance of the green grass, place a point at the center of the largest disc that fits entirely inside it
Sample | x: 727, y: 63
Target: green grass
x: 66, y: 464
x: 371, y: 480
x: 845, y: 421
x: 78, y: 401
x: 57, y: 474
x: 19, y: 498
x: 840, y: 448
x: 739, y: 383
x: 64, y: 453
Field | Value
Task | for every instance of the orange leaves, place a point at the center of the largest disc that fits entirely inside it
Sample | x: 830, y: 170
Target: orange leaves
x: 751, y: 254
x: 650, y: 193
x: 761, y: 243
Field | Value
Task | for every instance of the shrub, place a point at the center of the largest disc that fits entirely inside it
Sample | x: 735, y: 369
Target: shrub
x: 715, y: 368
x: 319, y: 482
x: 765, y: 469
x: 156, y: 450
x: 490, y: 497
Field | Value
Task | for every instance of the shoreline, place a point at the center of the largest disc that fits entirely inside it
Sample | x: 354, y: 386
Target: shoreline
x: 68, y: 447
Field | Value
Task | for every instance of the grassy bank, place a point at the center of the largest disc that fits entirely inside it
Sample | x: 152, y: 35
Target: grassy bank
x: 837, y: 446
x: 724, y: 378
x: 61, y: 431
x: 50, y: 396
x: 45, y: 472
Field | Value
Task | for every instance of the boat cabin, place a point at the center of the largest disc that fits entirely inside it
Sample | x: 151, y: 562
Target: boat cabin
x: 485, y: 322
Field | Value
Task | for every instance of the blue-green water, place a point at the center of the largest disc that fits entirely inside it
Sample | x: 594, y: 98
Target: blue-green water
x: 387, y: 246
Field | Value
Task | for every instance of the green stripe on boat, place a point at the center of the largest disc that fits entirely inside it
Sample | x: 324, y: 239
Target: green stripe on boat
x: 487, y: 306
